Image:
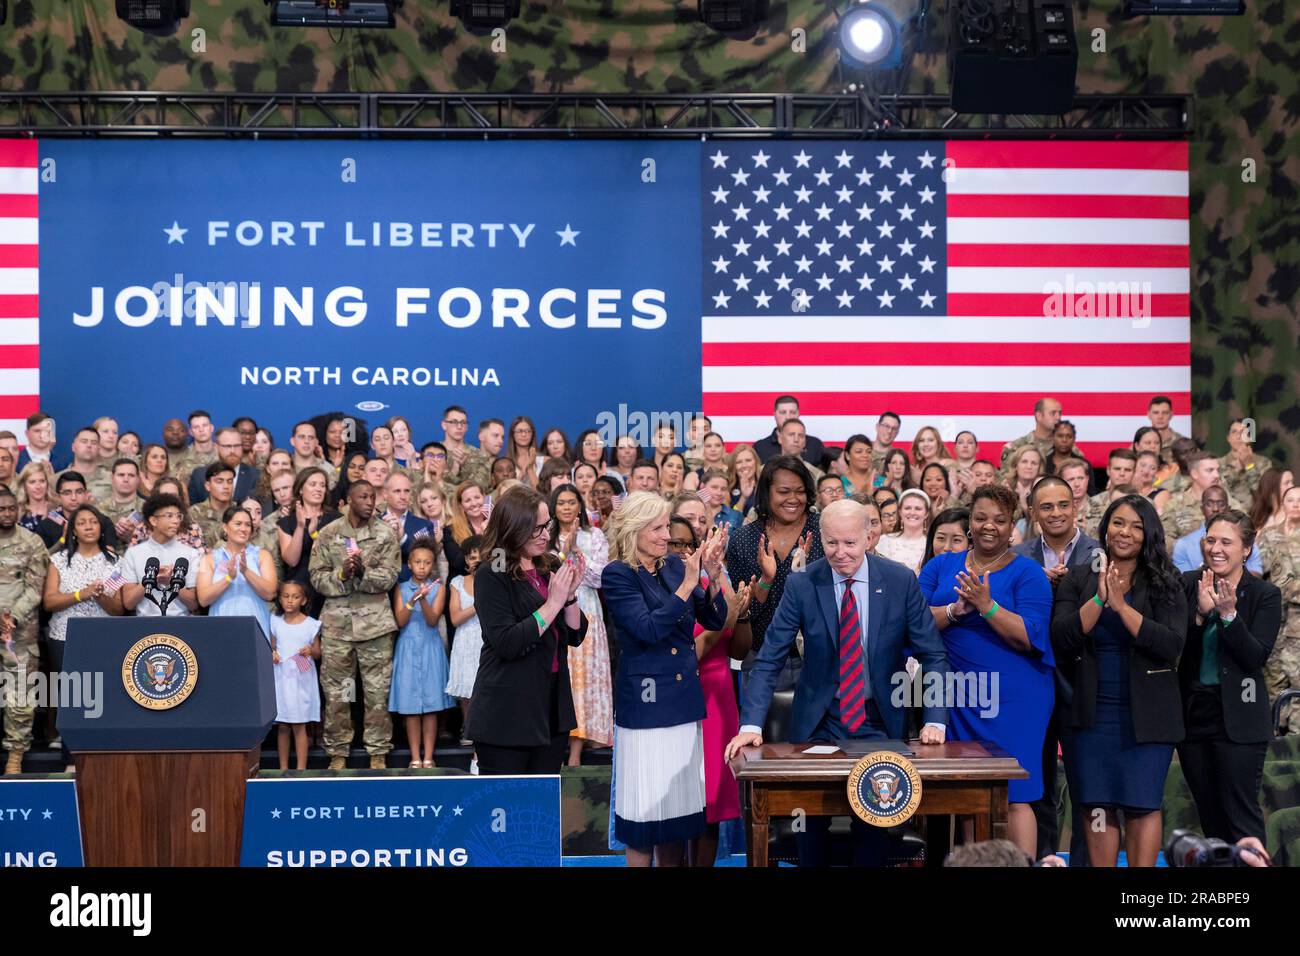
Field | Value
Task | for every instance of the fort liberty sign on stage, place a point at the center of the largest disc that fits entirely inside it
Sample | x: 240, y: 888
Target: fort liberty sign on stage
x: 39, y: 824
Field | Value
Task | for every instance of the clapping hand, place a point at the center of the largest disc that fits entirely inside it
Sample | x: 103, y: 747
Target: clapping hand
x: 579, y: 564
x: 1205, y: 593
x: 1225, y: 598
x: 767, y: 559
x: 975, y: 590
x: 799, y: 558
x: 712, y: 551
x: 738, y: 599
x: 1116, y: 588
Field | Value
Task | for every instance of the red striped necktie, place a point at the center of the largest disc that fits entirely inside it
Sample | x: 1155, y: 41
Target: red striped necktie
x: 853, y: 685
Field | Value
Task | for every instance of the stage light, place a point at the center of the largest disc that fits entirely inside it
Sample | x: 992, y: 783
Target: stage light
x: 733, y: 16
x: 484, y: 14
x: 153, y: 15
x: 380, y: 14
x: 872, y: 33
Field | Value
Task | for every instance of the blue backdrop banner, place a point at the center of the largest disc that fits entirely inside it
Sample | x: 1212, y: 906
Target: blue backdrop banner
x: 39, y: 823
x: 286, y: 279
x: 448, y: 821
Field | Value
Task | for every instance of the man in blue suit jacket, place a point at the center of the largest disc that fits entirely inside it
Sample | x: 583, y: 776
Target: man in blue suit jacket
x: 847, y: 688
x: 409, y: 529
x: 1061, y: 546
x: 230, y: 451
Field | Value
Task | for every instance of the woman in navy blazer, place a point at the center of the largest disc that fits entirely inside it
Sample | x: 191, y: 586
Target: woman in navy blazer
x: 655, y: 600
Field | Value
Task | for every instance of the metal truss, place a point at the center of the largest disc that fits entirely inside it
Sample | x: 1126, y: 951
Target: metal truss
x: 577, y: 115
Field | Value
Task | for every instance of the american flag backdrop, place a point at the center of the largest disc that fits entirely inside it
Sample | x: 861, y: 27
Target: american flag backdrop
x: 953, y: 283
x: 19, y: 354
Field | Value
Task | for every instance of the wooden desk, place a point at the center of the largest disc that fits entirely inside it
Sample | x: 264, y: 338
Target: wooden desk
x: 959, y: 777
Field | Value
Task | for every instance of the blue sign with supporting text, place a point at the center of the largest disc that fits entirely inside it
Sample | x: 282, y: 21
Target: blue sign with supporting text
x: 39, y: 823
x: 435, y: 821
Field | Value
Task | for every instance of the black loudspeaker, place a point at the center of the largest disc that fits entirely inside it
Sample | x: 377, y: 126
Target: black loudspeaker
x: 1012, y: 56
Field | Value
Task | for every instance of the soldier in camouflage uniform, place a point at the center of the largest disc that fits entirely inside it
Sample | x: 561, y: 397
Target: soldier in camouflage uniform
x: 23, y: 562
x: 887, y: 426
x: 1183, y: 515
x: 200, y: 454
x: 124, y: 500
x: 357, y: 623
x: 1047, y: 412
x: 220, y: 486
x: 464, y: 462
x: 1280, y: 551
x: 1159, y: 411
x: 85, y: 462
x: 1120, y: 466
x: 1240, y: 469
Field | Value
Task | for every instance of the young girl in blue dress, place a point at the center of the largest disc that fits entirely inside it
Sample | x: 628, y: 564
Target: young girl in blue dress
x: 420, y: 660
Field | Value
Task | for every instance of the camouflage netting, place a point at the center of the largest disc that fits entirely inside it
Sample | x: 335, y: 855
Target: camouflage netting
x: 1242, y: 71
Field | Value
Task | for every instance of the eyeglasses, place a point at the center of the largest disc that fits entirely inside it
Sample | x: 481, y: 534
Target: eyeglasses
x: 542, y: 530
x: 436, y: 456
x: 680, y: 545
x: 459, y: 422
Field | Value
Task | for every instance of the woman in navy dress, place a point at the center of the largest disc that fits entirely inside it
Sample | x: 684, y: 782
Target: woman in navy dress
x: 1118, y: 631
x: 994, y: 608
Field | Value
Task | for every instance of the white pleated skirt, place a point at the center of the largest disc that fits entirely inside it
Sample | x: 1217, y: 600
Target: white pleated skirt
x: 658, y: 784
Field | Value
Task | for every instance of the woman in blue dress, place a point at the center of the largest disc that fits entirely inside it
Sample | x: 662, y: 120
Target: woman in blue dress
x: 238, y: 578
x: 994, y: 608
x: 1119, y: 630
x: 420, y: 659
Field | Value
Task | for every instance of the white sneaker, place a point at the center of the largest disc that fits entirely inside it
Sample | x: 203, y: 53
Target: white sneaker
x: 56, y: 743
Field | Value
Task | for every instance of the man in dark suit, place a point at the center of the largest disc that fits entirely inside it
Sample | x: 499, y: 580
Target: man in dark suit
x: 861, y: 616
x: 409, y: 529
x: 769, y: 447
x: 1061, y: 546
x: 71, y: 490
x: 230, y: 451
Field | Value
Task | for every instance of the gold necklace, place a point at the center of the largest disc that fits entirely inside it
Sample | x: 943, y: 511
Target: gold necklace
x: 971, y: 564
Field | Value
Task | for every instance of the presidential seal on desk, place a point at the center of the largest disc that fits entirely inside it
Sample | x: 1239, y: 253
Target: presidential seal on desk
x: 884, y: 789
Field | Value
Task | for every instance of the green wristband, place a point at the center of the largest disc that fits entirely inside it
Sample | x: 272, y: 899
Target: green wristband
x: 541, y: 621
x: 991, y: 611
x: 1098, y: 601
x: 764, y: 585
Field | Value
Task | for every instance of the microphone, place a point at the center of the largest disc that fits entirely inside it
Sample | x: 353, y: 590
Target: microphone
x: 180, y: 568
x: 150, y: 579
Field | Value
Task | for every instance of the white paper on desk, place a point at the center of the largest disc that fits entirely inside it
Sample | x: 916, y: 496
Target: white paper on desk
x: 822, y: 749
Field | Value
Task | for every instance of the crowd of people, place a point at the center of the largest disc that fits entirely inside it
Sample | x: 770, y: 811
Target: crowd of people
x: 545, y: 596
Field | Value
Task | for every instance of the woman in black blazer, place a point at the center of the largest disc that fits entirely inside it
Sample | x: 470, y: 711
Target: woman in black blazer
x: 1117, y: 631
x: 1235, y: 619
x: 522, y: 709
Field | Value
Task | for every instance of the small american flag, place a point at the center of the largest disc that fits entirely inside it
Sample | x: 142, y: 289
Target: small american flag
x: 303, y: 662
x: 351, y: 546
x: 421, y: 534
x: 113, y: 583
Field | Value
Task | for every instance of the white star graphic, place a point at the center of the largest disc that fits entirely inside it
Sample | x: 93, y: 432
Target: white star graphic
x: 761, y: 194
x: 864, y: 177
x: 845, y: 194
x: 865, y: 211
x: 457, y: 810
x: 783, y: 211
x: 927, y: 160
x: 886, y: 230
x: 845, y: 263
x: 802, y: 194
x: 927, y: 300
x: 782, y: 248
x: 844, y: 229
x: 761, y: 300
x: 823, y: 211
x: 720, y: 265
x: 906, y: 212
x: 720, y: 300
x: 927, y: 194
x: 275, y: 813
x: 567, y: 235
x: 886, y: 264
x: 927, y: 230
x: 761, y: 228
x: 760, y: 158
x: 801, y: 160
x: 782, y: 177
x: 740, y: 177
x: 804, y: 263
x: 886, y: 300
x: 783, y: 282
x: 927, y: 264
x: 822, y: 176
x: 824, y: 282
x: 47, y: 814
x: 845, y: 300
x: 905, y: 247
x: 842, y: 158
x: 906, y: 283
x: 885, y: 159
x: 803, y: 230
x: 719, y: 195
x: 741, y: 247
x: 802, y: 300
x: 865, y: 247
x: 741, y: 212
x: 905, y: 177
x: 720, y: 230
x: 761, y: 264
x: 865, y: 282
x: 175, y: 233
x: 885, y: 193
x: 823, y: 248
x: 719, y: 160
x: 742, y: 283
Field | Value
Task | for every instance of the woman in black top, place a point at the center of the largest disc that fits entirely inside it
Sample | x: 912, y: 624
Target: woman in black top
x: 297, y: 531
x: 1235, y: 619
x: 1117, y: 632
x: 522, y: 709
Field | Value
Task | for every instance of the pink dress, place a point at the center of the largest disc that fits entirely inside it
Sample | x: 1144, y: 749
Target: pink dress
x: 721, y: 723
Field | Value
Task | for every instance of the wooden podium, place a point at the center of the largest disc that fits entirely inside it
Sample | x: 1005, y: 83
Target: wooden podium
x: 161, y: 770
x: 965, y: 777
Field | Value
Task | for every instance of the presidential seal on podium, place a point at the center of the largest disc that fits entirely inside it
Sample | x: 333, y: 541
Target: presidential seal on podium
x: 884, y: 789
x: 160, y: 671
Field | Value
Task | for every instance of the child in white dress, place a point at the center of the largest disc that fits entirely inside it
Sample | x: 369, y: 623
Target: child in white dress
x: 295, y: 648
